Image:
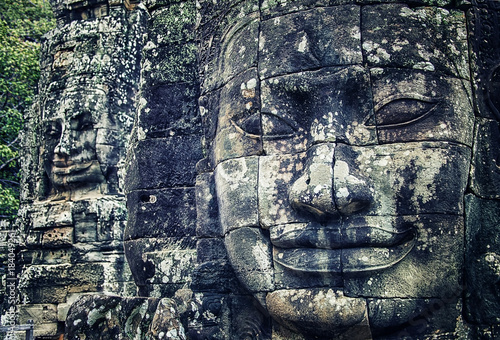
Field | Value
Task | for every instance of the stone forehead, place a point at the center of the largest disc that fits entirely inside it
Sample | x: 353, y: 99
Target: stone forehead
x: 71, y: 103
x: 384, y: 35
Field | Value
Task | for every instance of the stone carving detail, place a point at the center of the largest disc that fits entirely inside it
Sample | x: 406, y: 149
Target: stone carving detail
x: 297, y: 170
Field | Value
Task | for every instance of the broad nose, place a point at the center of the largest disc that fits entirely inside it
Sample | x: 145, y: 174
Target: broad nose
x: 328, y: 186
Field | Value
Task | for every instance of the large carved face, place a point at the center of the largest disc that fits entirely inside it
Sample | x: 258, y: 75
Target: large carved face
x: 342, y: 162
x: 72, y: 154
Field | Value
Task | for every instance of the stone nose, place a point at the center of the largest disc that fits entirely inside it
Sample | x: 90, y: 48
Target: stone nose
x: 63, y: 146
x: 328, y: 188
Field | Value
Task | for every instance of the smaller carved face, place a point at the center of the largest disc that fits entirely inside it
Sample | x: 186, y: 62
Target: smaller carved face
x: 71, y: 160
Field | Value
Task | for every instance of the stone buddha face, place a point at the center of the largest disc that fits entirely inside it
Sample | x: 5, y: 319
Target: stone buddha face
x: 73, y: 128
x: 341, y: 161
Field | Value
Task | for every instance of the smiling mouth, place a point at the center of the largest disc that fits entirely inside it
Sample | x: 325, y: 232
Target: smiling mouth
x: 67, y: 168
x: 319, y: 249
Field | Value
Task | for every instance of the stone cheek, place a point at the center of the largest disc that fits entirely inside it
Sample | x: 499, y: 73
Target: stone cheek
x: 406, y: 179
x: 275, y: 175
x: 250, y: 256
x: 236, y: 183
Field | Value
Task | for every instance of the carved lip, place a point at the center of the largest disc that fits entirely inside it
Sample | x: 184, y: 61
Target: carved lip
x: 67, y: 168
x: 330, y: 249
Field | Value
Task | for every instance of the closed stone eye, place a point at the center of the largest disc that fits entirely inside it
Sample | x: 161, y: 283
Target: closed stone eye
x: 267, y: 126
x: 53, y: 130
x: 395, y: 112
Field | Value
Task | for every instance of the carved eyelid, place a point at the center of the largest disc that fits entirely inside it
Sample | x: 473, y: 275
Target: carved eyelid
x: 289, y: 124
x: 268, y: 137
x: 53, y: 127
x: 408, y: 96
x: 415, y: 96
x: 243, y: 132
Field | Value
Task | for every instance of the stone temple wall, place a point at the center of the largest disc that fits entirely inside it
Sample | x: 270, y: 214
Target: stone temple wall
x: 73, y: 212
x: 160, y: 238
x: 317, y: 169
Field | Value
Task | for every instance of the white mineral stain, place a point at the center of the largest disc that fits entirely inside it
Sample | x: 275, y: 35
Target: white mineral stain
x: 342, y: 192
x: 303, y: 45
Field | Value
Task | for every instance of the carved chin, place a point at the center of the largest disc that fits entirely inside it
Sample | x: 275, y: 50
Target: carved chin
x: 319, y: 311
x: 77, y: 174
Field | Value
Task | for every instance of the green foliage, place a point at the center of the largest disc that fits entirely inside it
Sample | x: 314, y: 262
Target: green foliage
x: 22, y: 24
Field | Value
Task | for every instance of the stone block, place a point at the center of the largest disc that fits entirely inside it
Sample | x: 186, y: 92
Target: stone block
x: 207, y: 209
x: 483, y: 27
x: 414, y: 317
x: 163, y: 213
x: 227, y: 51
x: 390, y: 30
x: 436, y: 248
x: 110, y: 230
x: 409, y: 107
x: 172, y: 267
x: 143, y: 261
x: 70, y: 276
x: 48, y: 256
x: 237, y: 208
x: 310, y: 39
x: 238, y: 119
x: 210, y: 10
x: 52, y: 215
x: 331, y: 104
x: 164, y: 162
x: 208, y: 105
x: 485, y: 172
x: 211, y: 249
x: 276, y: 174
x: 58, y: 237
x: 215, y: 276
x: 395, y: 186
x: 250, y: 255
x: 170, y: 110
x: 173, y: 24
x: 45, y: 295
x: 275, y: 8
x: 46, y: 330
x: 482, y: 260
x: 39, y: 313
x: 86, y: 229
x: 173, y: 63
